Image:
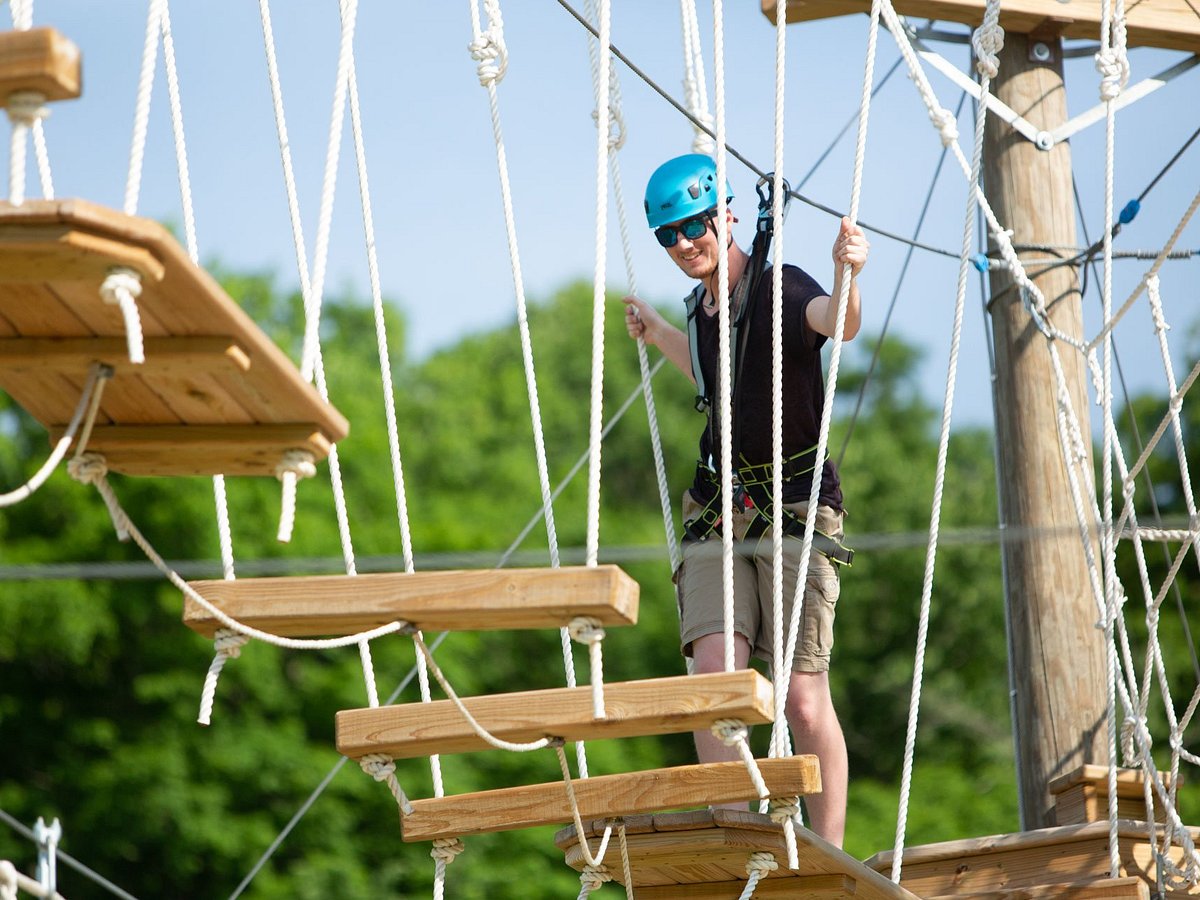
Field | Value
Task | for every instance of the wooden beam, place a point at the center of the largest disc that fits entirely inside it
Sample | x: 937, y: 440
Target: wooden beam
x: 164, y: 355
x: 482, y: 600
x: 62, y: 253
x: 606, y: 795
x: 201, y: 449
x: 41, y: 60
x: 810, y: 887
x: 632, y: 708
x: 1171, y: 24
x: 1130, y: 782
x: 1129, y: 888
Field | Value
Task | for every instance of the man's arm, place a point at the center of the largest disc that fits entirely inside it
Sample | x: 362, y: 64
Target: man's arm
x: 850, y: 248
x: 644, y: 321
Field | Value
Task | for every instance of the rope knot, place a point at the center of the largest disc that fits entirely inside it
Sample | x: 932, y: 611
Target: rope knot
x: 943, y: 120
x: 490, y: 52
x: 586, y: 630
x: 378, y: 766
x: 762, y: 862
x: 27, y: 107
x: 730, y: 731
x: 229, y: 643
x: 1130, y: 729
x: 445, y: 850
x: 616, y: 127
x: 593, y: 877
x: 784, y: 808
x: 88, y: 468
x: 988, y: 41
x: 1113, y: 66
x: 300, y: 463
x: 8, y: 880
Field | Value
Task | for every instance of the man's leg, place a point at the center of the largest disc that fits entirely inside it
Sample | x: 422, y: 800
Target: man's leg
x: 816, y: 730
x: 708, y: 655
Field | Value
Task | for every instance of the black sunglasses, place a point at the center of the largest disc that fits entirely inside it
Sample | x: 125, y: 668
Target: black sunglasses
x: 693, y: 229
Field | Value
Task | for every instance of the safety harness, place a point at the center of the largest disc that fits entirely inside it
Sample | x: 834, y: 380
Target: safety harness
x: 752, y: 482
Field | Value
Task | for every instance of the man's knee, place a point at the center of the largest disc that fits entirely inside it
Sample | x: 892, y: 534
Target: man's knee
x: 809, y: 704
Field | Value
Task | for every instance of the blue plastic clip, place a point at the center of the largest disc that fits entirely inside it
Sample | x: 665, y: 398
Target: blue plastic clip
x: 980, y: 262
x: 1129, y: 213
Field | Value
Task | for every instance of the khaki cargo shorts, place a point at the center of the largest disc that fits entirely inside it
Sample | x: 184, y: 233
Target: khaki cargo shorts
x: 698, y: 582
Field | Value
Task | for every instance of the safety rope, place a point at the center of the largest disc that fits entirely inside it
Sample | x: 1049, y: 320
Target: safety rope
x: 695, y: 90
x: 987, y: 41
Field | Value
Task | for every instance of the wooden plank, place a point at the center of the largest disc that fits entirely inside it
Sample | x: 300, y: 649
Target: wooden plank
x: 1129, y: 888
x: 811, y: 887
x: 62, y: 253
x: 1130, y: 782
x: 632, y: 708
x: 636, y: 792
x: 478, y: 600
x: 183, y: 450
x: 726, y: 838
x: 1082, y: 803
x: 164, y: 355
x: 35, y: 311
x: 39, y: 59
x: 1171, y: 24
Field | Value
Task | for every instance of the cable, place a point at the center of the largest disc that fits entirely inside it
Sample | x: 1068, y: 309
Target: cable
x: 736, y: 154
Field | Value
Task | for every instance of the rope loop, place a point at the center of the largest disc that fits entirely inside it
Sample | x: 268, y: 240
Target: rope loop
x: 943, y: 120
x: 489, y: 49
x: 229, y: 643
x: 784, y: 809
x: 730, y: 731
x: 988, y: 41
x: 294, y: 465
x: 762, y: 862
x: 121, y: 288
x: 586, y: 630
x: 616, y: 127
x: 446, y: 850
x: 593, y: 877
x: 27, y: 107
x: 1113, y: 66
x: 378, y: 766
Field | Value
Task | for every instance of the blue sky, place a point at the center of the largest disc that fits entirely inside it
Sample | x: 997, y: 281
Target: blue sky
x: 434, y: 185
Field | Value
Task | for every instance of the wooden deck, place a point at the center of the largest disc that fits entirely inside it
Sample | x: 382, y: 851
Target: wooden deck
x: 703, y: 854
x: 215, y: 394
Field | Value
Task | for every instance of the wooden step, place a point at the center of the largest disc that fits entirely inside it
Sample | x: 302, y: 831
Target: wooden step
x: 1064, y: 854
x: 652, y: 706
x: 606, y: 795
x: 1128, y: 888
x: 215, y: 394
x: 1082, y: 796
x: 478, y: 600
x: 40, y: 60
x: 703, y: 854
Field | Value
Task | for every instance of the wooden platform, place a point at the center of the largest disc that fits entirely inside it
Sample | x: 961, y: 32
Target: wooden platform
x: 606, y: 795
x: 1069, y: 854
x: 1172, y: 24
x: 215, y: 394
x: 1082, y: 796
x: 476, y: 600
x: 632, y: 708
x: 703, y: 854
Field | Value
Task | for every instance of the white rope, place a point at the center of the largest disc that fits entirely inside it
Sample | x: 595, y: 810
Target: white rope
x: 228, y: 645
x: 599, y: 298
x: 785, y: 811
x: 499, y: 743
x: 42, y: 155
x: 759, y: 865
x: 724, y: 351
x: 294, y: 465
x: 987, y: 40
x: 383, y: 768
x: 625, y: 867
x: 588, y: 631
x: 444, y: 852
x: 85, y: 413
x: 121, y: 288
x: 695, y: 91
x: 569, y: 785
x: 25, y: 110
x: 8, y: 880
x: 734, y: 733
x: 141, y: 116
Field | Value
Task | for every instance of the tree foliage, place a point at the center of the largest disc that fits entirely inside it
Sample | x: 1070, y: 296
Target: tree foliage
x: 101, y: 683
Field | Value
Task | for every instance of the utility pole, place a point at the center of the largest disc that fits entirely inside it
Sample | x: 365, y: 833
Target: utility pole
x: 1057, y: 651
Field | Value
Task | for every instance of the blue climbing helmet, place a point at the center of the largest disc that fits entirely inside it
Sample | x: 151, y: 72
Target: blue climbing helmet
x: 682, y: 187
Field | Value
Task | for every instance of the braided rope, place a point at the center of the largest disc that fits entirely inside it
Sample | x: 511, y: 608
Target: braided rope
x: 758, y: 866
x: 444, y: 852
x: 734, y: 733
x: 228, y: 645
x: 121, y: 288
x: 383, y: 768
x: 695, y: 90
x: 987, y: 40
x: 575, y: 816
x: 625, y: 867
x: 588, y: 631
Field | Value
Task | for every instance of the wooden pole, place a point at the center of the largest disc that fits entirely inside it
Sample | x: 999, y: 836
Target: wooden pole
x: 1057, y: 651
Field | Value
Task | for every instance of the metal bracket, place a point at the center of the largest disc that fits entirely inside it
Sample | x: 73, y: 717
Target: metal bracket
x: 1046, y: 140
x: 47, y: 838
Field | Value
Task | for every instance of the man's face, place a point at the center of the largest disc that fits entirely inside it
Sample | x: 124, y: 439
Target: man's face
x: 697, y: 257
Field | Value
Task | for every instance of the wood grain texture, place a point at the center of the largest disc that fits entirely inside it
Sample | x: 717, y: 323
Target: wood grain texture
x: 476, y: 600
x: 1153, y: 23
x: 632, y: 708
x: 617, y: 795
x: 39, y: 59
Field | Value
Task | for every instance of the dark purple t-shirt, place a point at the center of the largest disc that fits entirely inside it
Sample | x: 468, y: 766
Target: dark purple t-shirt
x: 803, y: 387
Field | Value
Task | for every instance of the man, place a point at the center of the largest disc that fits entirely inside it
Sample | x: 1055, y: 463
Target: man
x: 681, y: 205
